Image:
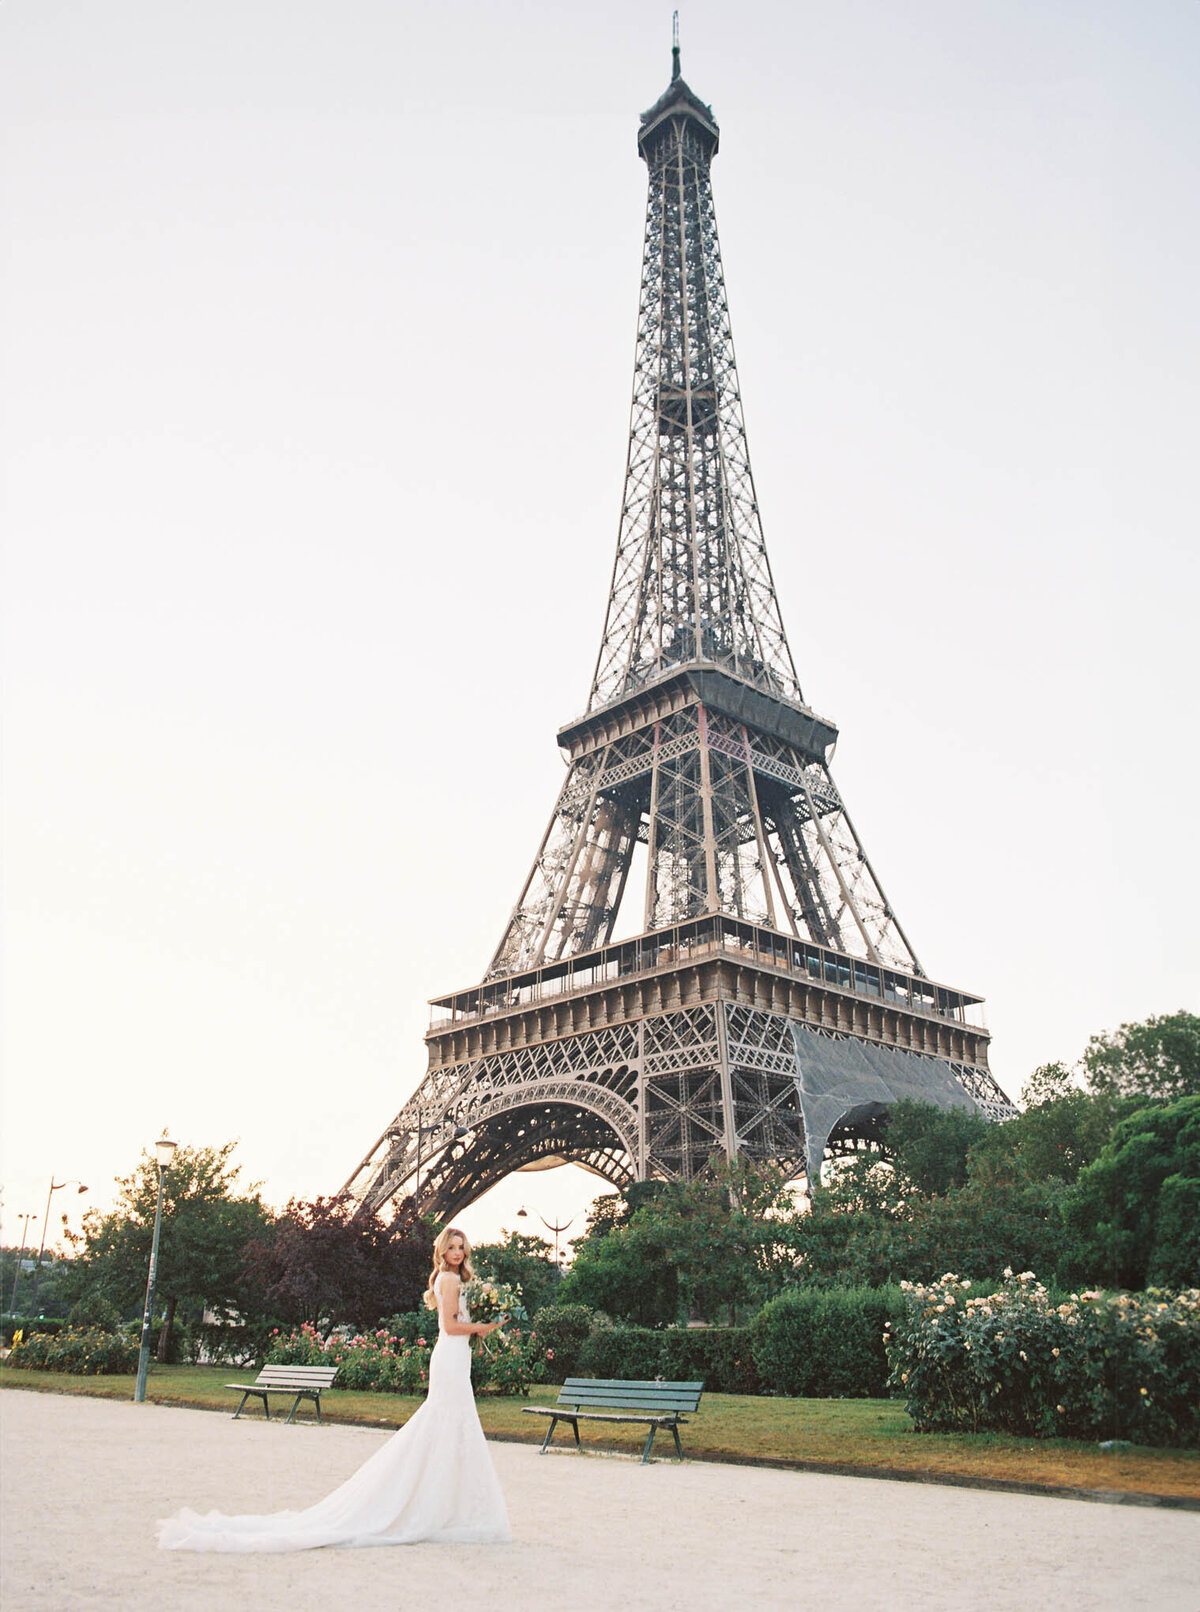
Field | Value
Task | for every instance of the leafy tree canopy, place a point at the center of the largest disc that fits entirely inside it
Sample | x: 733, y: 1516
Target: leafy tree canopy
x: 523, y: 1261
x: 929, y: 1144
x: 325, y: 1263
x: 205, y: 1227
x: 1157, y: 1058
x: 1136, y: 1214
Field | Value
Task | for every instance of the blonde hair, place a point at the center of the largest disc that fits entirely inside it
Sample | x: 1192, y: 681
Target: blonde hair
x: 440, y: 1244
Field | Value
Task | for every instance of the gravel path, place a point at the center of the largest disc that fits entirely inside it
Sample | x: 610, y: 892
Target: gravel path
x: 85, y: 1479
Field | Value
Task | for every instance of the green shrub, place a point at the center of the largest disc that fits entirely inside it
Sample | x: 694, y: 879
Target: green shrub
x: 233, y: 1343
x: 563, y: 1329
x: 825, y: 1342
x: 508, y: 1362
x: 10, y: 1324
x: 1097, y: 1365
x: 84, y: 1353
x: 720, y: 1357
x: 630, y: 1353
x: 93, y: 1313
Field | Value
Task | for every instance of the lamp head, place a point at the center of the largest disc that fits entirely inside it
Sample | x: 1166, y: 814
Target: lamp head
x: 164, y: 1150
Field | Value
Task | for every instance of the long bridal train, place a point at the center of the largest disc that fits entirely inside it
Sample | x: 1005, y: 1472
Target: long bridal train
x: 433, y: 1480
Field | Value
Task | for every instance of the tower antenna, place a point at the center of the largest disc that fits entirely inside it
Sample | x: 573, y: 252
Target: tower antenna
x: 674, y: 46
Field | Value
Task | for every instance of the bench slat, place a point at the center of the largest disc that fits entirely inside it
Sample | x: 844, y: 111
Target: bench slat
x: 627, y: 1382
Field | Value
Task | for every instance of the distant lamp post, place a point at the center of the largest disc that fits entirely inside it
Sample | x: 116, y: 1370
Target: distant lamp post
x: 55, y: 1186
x: 164, y: 1151
x: 550, y: 1225
x: 12, y: 1303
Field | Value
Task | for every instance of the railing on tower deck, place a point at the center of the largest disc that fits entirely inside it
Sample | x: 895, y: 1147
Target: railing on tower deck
x: 701, y: 937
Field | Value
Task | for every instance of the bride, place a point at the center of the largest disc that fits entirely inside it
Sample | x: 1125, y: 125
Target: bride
x: 433, y: 1479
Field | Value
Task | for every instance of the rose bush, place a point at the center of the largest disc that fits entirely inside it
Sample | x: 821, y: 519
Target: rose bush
x: 1095, y: 1365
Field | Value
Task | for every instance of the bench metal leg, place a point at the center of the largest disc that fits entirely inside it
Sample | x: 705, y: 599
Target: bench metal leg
x: 554, y: 1421
x: 238, y: 1412
x: 649, y: 1442
x: 316, y: 1399
x: 295, y: 1405
x: 678, y: 1445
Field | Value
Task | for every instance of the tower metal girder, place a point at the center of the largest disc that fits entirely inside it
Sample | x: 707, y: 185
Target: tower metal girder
x: 771, y: 1005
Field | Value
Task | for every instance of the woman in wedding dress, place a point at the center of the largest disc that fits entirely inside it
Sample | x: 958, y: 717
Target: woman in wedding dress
x: 432, y: 1480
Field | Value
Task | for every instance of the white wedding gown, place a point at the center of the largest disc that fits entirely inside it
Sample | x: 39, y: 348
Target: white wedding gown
x: 434, y: 1480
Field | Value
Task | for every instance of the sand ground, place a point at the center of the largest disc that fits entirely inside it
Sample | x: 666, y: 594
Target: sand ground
x: 85, y: 1479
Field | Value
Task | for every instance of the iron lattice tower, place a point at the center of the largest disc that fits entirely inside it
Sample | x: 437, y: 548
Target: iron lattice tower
x: 769, y: 1003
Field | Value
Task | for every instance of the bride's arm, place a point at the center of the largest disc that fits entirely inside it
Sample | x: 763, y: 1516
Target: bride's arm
x: 448, y: 1299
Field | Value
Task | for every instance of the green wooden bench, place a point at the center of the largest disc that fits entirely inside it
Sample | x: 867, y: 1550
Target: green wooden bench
x: 594, y: 1399
x: 305, y: 1382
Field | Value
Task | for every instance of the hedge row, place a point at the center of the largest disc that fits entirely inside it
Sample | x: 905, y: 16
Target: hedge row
x: 826, y: 1343
x: 23, y: 1323
x: 816, y: 1343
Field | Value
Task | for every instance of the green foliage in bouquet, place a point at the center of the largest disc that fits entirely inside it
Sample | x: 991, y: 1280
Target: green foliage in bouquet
x: 493, y: 1301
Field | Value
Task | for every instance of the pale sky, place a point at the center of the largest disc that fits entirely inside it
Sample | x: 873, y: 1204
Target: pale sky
x: 318, y: 341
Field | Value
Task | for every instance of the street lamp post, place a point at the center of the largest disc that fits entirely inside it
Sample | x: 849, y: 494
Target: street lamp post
x: 550, y: 1225
x: 55, y: 1186
x: 12, y: 1303
x: 164, y: 1152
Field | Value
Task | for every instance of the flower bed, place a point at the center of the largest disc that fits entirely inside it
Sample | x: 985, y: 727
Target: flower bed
x: 84, y: 1352
x: 395, y: 1359
x: 1095, y: 1366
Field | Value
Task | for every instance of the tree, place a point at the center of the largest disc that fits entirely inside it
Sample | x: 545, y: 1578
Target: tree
x: 1136, y: 1210
x: 701, y: 1247
x: 1158, y: 1058
x: 524, y: 1262
x: 1058, y: 1134
x: 628, y: 1273
x: 205, y: 1228
x: 330, y: 1264
x: 929, y: 1144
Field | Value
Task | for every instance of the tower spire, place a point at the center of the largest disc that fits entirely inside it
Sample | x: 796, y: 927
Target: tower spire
x: 674, y: 46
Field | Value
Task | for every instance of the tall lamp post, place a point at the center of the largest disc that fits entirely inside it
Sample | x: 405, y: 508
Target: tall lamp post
x: 55, y: 1186
x: 550, y: 1225
x: 164, y: 1151
x: 12, y: 1303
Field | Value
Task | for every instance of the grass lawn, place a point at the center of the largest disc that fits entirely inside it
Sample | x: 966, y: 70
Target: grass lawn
x: 868, y: 1435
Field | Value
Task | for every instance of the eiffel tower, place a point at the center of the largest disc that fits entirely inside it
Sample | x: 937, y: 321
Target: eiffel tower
x: 768, y: 1002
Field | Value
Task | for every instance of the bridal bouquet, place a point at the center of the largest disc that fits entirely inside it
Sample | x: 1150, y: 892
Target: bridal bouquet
x: 493, y: 1301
